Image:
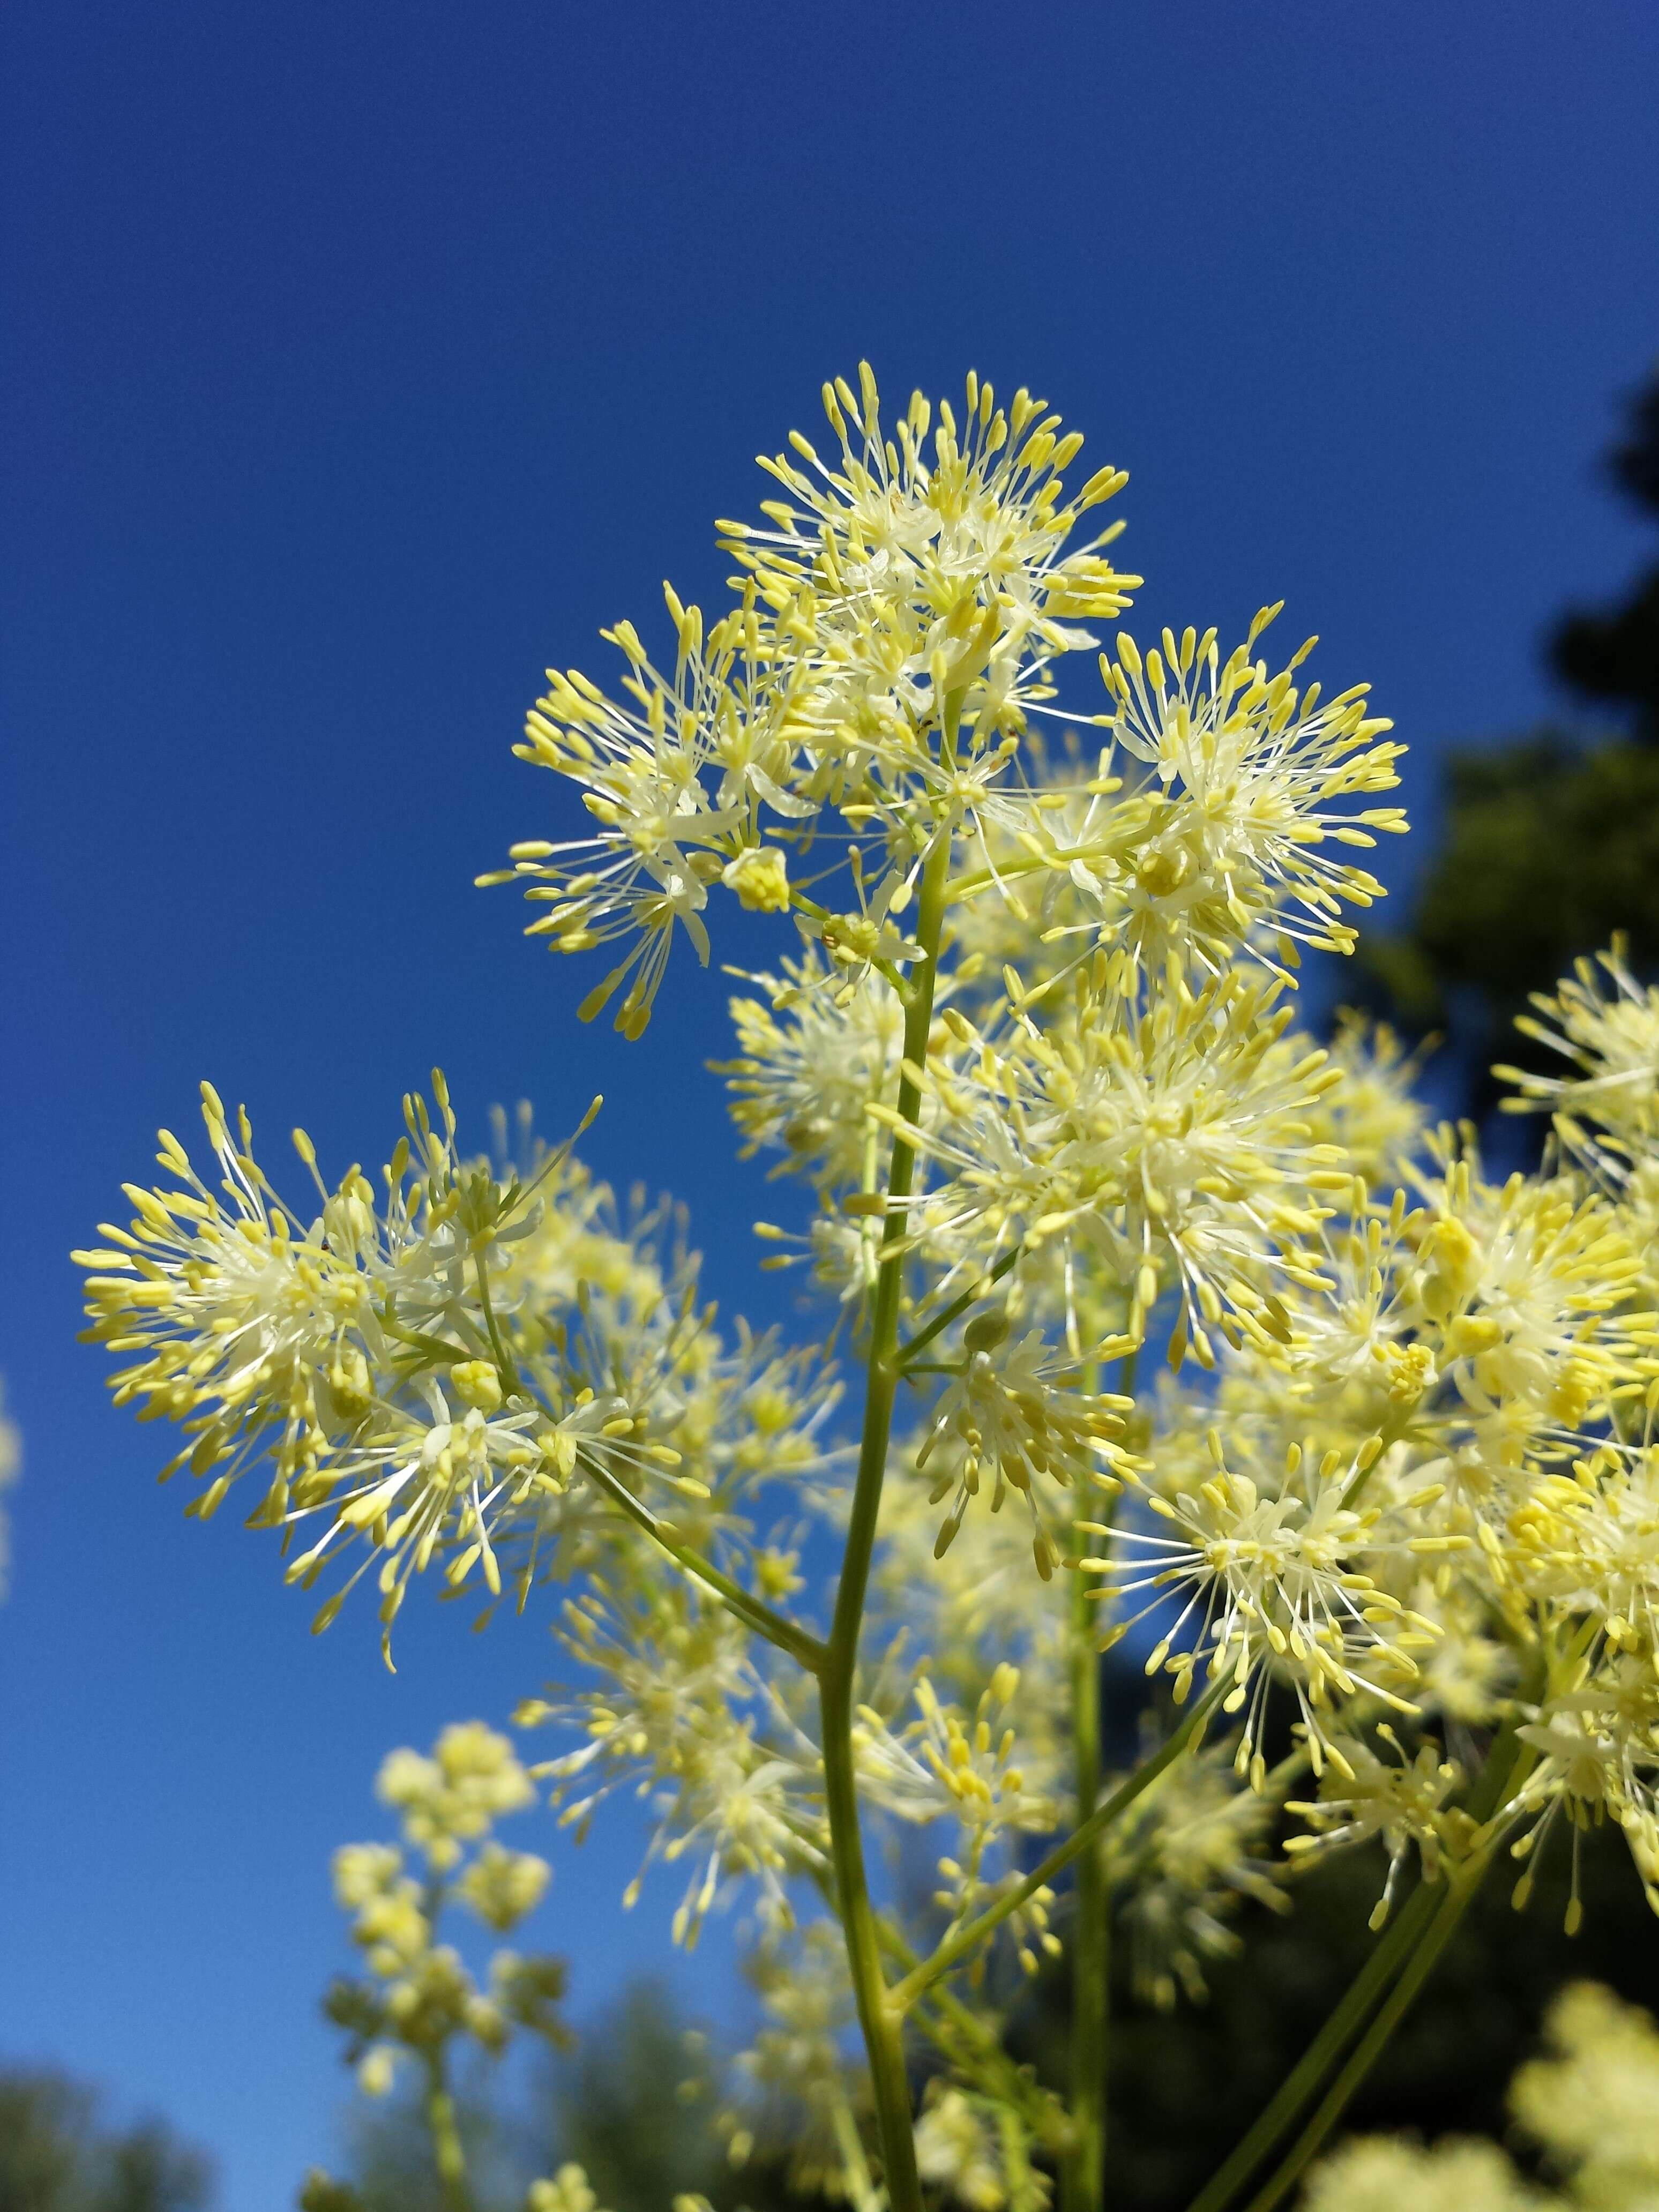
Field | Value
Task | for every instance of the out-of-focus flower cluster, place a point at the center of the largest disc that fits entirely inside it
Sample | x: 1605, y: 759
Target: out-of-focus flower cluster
x: 1591, y: 2105
x: 677, y: 1706
x: 1191, y: 1852
x: 416, y: 1998
x: 796, y: 2090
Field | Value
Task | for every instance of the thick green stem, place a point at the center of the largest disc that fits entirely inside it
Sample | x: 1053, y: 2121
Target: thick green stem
x: 1083, y: 2177
x: 1083, y: 2174
x: 881, y: 2023
x: 883, y: 2040
x: 446, y: 2134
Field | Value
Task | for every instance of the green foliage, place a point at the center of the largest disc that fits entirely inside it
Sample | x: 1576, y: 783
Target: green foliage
x: 1615, y: 656
x: 1184, y: 2084
x: 1612, y: 655
x: 1548, y: 848
x: 1550, y: 844
x: 57, y: 2155
x: 635, y: 2106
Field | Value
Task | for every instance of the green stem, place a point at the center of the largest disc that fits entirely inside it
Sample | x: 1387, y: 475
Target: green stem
x: 975, y: 2048
x: 433, y: 1346
x: 445, y: 2135
x: 1393, y: 1956
x: 861, y: 2190
x: 973, y: 1933
x: 504, y: 1361
x: 941, y: 1321
x: 981, y: 878
x: 1025, y: 2192
x: 1453, y: 1902
x: 881, y: 2023
x: 1501, y: 1777
x: 1082, y: 2176
x: 1083, y: 2173
x: 753, y: 1612
x: 1345, y: 2021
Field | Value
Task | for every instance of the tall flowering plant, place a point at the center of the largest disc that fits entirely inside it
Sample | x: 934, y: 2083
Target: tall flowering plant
x: 1388, y: 1528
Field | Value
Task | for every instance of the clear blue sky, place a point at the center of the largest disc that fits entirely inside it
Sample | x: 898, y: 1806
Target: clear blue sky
x: 359, y: 361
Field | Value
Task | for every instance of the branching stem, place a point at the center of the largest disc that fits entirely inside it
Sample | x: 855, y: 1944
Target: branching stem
x: 1403, y: 1959
x: 1346, y: 2019
x: 968, y: 1937
x: 1501, y: 1778
x: 1082, y: 2176
x: 1453, y: 1899
x: 973, y: 2045
x: 880, y: 2023
x: 905, y: 1354
x: 753, y: 1612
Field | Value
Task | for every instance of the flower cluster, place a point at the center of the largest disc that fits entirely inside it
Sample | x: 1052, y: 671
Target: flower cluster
x: 473, y: 1375
x: 946, y: 1766
x: 1008, y: 1410
x: 1247, y: 769
x: 1591, y: 2105
x: 1159, y: 1143
x: 873, y: 592
x: 1436, y: 1490
x: 1273, y: 1572
x: 1384, y: 1795
x: 1188, y: 1855
x: 417, y: 1997
x: 675, y: 1705
x: 1030, y: 1060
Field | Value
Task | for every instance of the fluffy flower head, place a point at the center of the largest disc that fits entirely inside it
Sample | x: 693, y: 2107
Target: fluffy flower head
x: 1253, y: 770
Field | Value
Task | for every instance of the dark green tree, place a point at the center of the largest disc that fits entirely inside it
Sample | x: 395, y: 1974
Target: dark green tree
x: 1184, y: 2084
x: 1611, y: 656
x: 57, y: 2154
x: 634, y: 2105
x: 1549, y: 847
x: 1551, y: 842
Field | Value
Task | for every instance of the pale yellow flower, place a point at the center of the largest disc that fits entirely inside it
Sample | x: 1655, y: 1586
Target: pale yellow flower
x: 1593, y: 2102
x: 1256, y: 773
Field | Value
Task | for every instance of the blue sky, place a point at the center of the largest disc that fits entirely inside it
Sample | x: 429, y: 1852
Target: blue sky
x: 358, y: 362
